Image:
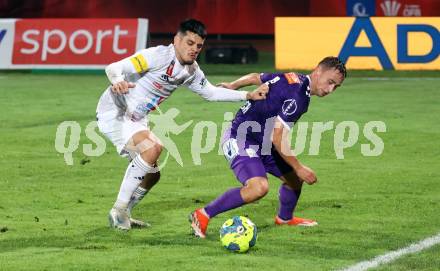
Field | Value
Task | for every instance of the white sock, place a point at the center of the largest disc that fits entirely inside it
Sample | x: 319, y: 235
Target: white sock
x: 134, y: 175
x: 137, y: 196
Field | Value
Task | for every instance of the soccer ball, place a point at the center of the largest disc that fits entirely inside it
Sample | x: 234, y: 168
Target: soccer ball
x: 238, y: 234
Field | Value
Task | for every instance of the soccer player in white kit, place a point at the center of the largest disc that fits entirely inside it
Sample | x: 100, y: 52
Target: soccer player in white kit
x: 139, y: 84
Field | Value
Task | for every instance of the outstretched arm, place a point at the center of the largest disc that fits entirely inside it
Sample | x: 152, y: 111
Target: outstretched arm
x: 213, y: 93
x: 204, y: 88
x: 247, y: 80
x: 281, y: 141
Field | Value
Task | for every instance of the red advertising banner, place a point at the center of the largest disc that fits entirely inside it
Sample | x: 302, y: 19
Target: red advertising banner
x: 219, y: 16
x: 76, y: 41
x: 327, y: 8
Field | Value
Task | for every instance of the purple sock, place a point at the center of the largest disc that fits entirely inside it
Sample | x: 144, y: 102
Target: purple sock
x: 288, y: 199
x: 231, y: 199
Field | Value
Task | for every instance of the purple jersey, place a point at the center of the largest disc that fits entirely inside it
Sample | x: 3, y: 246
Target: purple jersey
x: 287, y: 100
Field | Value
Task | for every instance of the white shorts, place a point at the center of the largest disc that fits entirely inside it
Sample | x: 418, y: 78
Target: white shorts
x: 119, y: 130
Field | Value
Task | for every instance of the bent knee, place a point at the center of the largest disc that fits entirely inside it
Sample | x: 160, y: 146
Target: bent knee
x: 152, y: 153
x: 145, y: 141
x: 149, y: 146
x: 263, y: 189
x: 157, y: 148
x: 260, y: 187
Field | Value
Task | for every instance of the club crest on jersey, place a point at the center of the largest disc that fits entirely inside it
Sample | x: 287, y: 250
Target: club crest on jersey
x: 170, y: 68
x: 289, y: 107
x: 244, y: 108
x: 291, y: 77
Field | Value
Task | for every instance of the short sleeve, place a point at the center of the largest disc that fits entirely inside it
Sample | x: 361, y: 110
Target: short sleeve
x: 289, y: 113
x: 265, y: 77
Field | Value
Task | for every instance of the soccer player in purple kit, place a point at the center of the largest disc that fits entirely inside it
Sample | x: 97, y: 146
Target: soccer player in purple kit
x: 258, y: 143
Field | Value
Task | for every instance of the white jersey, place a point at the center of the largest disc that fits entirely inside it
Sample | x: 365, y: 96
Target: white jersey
x: 157, y: 72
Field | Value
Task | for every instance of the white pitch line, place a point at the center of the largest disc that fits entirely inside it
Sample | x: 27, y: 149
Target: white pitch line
x: 394, y: 255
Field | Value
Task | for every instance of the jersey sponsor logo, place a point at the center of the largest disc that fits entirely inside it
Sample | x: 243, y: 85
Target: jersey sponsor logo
x: 140, y: 63
x: 144, y: 108
x: 292, y: 78
x: 157, y: 85
x: 203, y: 81
x: 170, y: 68
x: 2, y: 34
x: 273, y: 81
x: 289, y: 107
x: 245, y: 107
x: 165, y: 78
x: 151, y: 106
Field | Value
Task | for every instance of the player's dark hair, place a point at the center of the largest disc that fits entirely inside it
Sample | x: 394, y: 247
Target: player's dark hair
x: 194, y: 26
x: 331, y: 62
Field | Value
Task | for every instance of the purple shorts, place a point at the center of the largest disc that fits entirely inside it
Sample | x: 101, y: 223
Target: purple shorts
x: 245, y: 167
x: 247, y: 163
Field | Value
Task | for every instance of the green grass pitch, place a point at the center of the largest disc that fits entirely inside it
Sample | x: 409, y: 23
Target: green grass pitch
x: 54, y: 216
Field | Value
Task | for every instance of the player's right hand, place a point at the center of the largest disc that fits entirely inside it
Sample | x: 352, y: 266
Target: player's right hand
x: 259, y: 93
x: 306, y: 174
x: 122, y: 87
x: 226, y: 85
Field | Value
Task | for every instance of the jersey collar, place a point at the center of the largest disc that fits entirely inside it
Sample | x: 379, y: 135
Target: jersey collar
x: 308, y: 86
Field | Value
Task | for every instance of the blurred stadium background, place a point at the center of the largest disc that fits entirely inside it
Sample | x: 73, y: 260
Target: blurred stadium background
x: 239, y: 31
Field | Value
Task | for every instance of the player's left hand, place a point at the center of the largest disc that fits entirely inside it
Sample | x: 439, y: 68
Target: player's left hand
x: 122, y: 87
x: 306, y: 174
x: 259, y: 93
